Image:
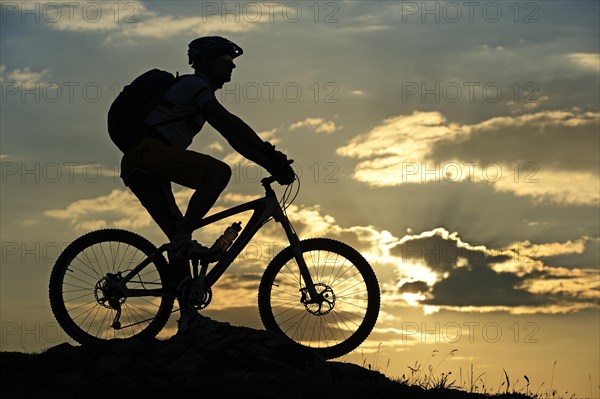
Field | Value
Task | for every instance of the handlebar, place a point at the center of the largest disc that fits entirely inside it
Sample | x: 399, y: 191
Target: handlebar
x: 270, y: 180
x: 267, y: 181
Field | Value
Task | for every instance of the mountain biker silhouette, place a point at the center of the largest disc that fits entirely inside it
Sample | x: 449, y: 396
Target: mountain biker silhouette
x: 160, y: 156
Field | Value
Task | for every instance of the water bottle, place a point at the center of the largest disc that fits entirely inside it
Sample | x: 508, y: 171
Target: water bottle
x: 228, y: 236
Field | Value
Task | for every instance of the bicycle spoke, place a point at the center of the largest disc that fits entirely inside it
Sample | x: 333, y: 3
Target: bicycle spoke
x: 340, y: 314
x: 334, y: 314
x: 337, y: 327
x: 349, y: 288
x: 127, y: 311
x: 102, y: 323
x: 284, y: 304
x: 289, y: 285
x: 299, y: 278
x: 73, y: 269
x: 349, y: 295
x: 299, y: 327
x: 108, y: 268
x: 347, y: 270
x: 352, y: 304
x: 97, y: 261
x: 293, y: 294
x: 122, y: 258
x: 83, y: 304
x: 88, y: 264
x: 296, y: 280
x: 74, y: 299
x: 338, y: 273
x: 285, y: 311
x: 88, y: 313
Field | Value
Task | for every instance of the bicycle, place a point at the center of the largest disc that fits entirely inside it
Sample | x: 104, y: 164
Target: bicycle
x: 320, y: 293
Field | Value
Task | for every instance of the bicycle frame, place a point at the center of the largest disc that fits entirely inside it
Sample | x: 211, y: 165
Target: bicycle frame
x: 263, y: 209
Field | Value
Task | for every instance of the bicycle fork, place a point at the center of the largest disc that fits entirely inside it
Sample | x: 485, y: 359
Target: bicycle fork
x: 315, y: 297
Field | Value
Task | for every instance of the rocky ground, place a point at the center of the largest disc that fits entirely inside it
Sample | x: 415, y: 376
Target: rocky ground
x: 212, y: 360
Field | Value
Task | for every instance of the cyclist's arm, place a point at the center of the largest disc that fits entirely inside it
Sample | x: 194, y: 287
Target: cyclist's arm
x: 239, y: 135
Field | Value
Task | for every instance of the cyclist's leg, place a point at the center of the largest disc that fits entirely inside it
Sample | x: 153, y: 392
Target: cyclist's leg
x: 203, y: 173
x: 209, y: 186
x: 157, y: 197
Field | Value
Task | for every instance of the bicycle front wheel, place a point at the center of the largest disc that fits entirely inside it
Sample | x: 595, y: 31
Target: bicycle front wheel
x: 345, y: 281
x: 83, y: 301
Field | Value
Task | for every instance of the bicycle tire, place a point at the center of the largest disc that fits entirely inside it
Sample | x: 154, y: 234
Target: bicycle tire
x: 79, y: 270
x: 281, y: 287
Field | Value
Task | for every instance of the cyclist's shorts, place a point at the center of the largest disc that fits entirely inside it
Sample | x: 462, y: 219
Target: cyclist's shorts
x: 185, y: 167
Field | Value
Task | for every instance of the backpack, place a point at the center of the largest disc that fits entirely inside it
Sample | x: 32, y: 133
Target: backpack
x: 128, y: 111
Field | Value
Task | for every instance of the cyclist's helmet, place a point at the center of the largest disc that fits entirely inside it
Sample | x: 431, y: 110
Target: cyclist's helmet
x: 212, y: 46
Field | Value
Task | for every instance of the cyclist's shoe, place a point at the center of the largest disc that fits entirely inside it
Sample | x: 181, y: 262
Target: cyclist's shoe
x: 183, y: 247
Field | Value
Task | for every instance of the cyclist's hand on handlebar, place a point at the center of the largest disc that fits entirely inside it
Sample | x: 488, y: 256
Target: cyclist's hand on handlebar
x: 286, y: 175
x: 279, y: 165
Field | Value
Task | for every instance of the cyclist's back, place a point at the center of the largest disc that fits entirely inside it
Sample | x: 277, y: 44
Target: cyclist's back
x: 181, y: 103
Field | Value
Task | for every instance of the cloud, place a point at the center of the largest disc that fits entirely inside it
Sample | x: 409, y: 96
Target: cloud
x: 441, y: 250
x: 522, y: 106
x: 400, y: 135
x: 119, y: 209
x: 371, y: 22
x: 555, y: 139
x: 481, y: 286
x: 237, y: 198
x: 528, y: 155
x: 24, y: 76
x: 237, y: 159
x: 123, y: 23
x: 413, y: 287
x: 555, y: 248
x: 235, y: 290
x: 269, y: 135
x: 320, y: 125
x: 394, y: 148
x: 484, y: 278
x: 550, y: 186
x: 215, y: 146
x: 162, y: 27
x: 586, y: 61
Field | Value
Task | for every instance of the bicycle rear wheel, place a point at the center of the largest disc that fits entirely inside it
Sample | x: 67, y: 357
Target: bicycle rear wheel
x: 80, y: 294
x: 346, y: 316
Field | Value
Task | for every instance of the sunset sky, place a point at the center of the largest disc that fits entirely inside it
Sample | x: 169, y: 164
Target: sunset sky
x: 455, y: 144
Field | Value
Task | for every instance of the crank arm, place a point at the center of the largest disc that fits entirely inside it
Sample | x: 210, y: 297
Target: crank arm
x: 198, y: 287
